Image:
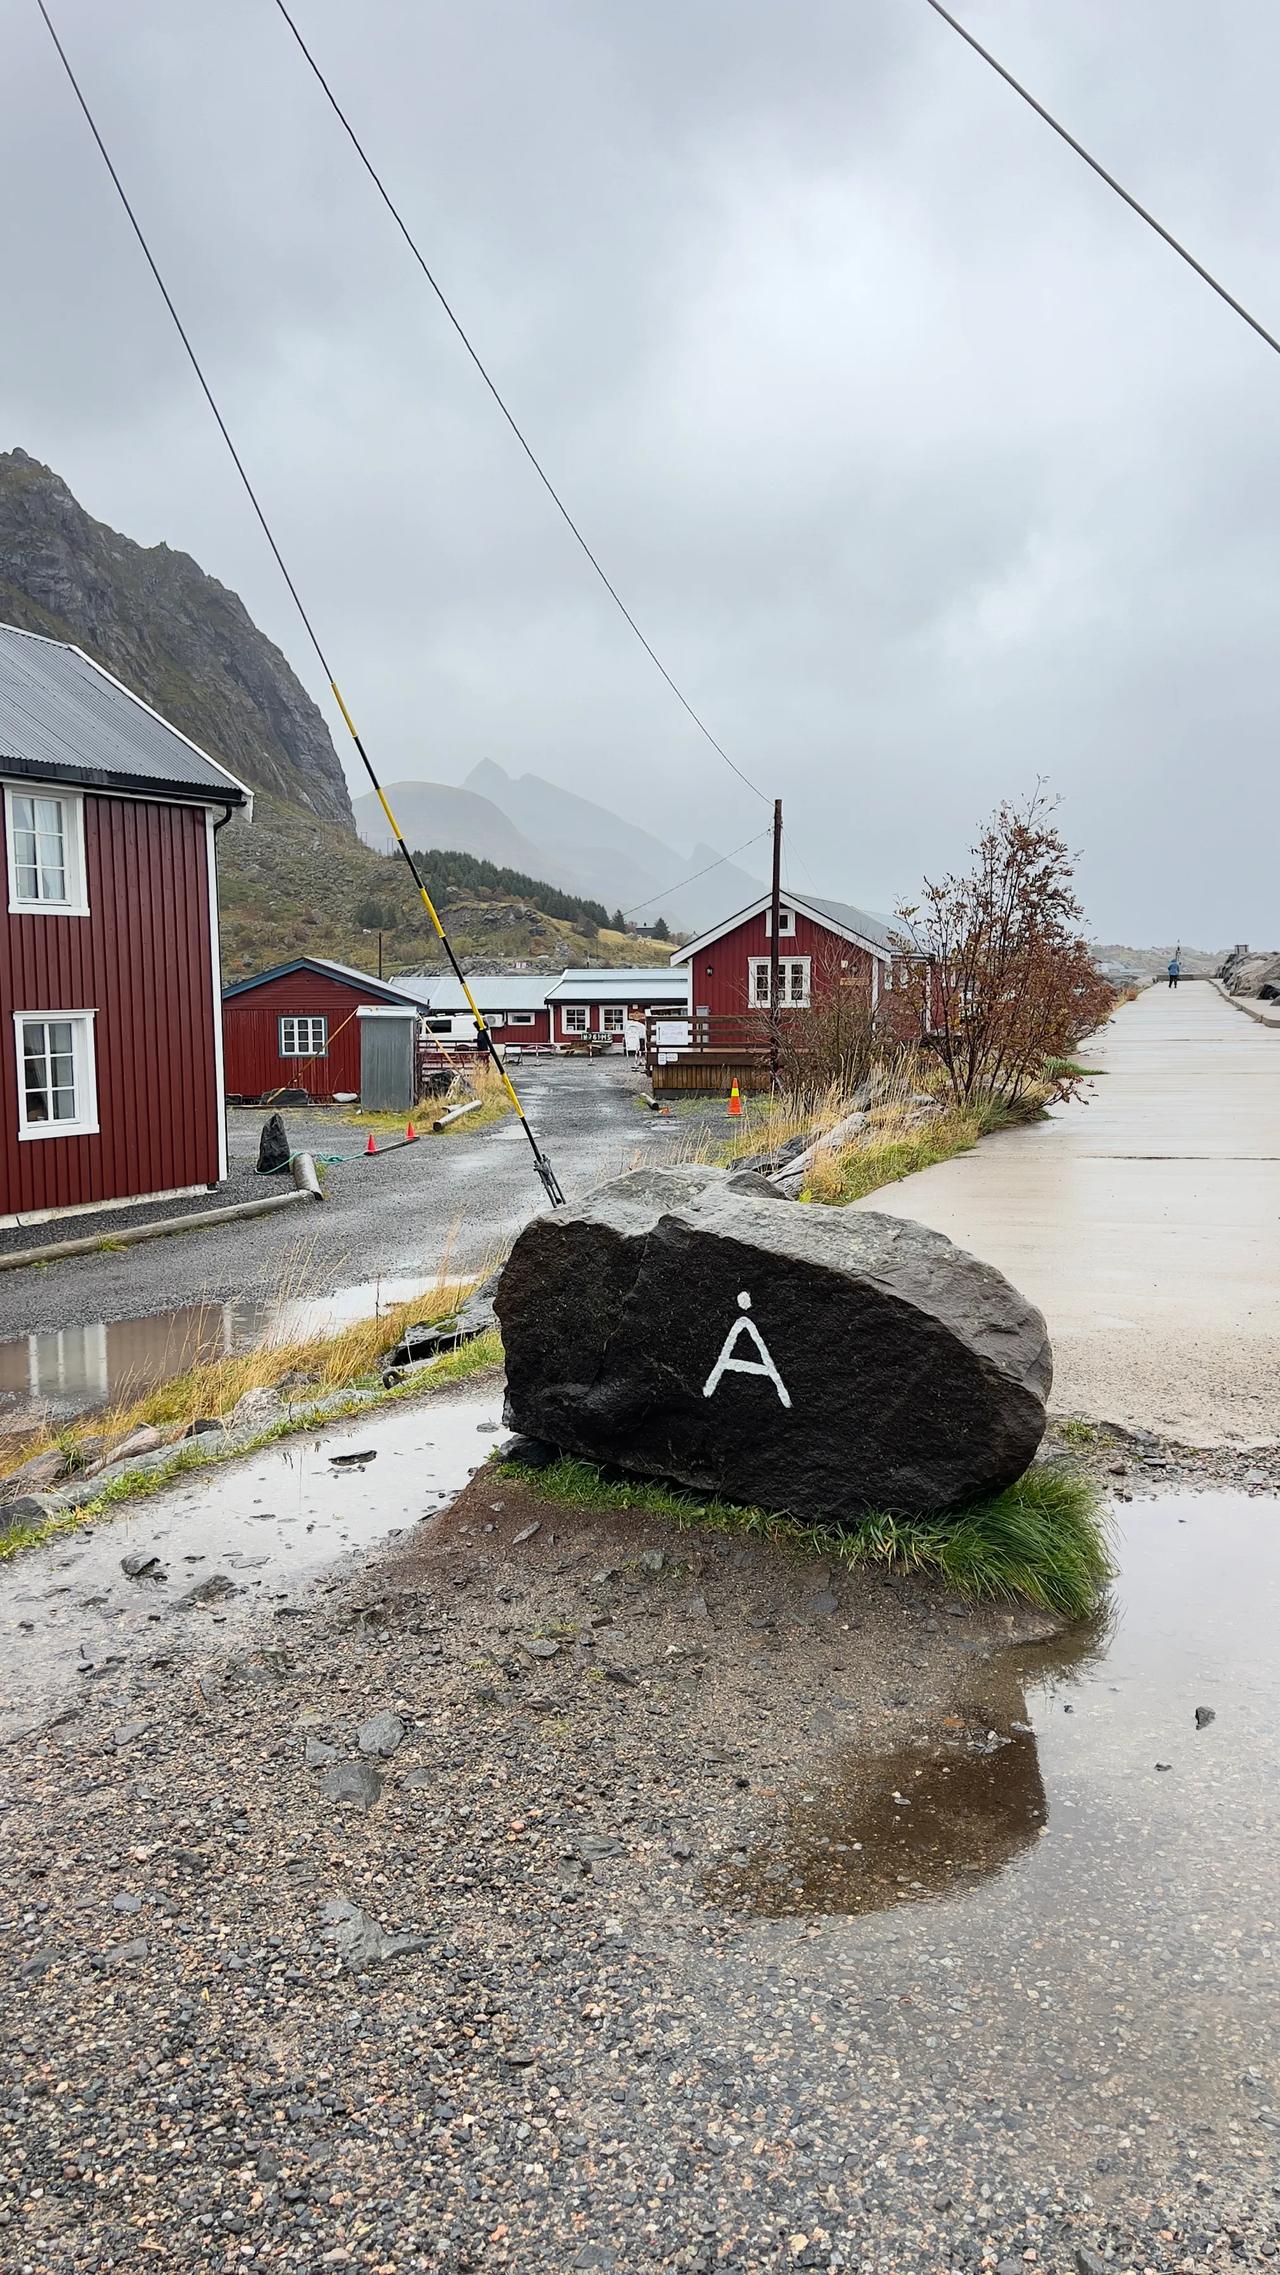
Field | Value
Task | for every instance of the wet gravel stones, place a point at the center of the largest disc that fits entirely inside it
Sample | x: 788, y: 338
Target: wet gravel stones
x: 500, y: 2020
x: 1134, y: 1463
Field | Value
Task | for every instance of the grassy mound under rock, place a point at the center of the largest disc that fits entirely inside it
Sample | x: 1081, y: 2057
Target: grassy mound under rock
x: 1044, y: 1540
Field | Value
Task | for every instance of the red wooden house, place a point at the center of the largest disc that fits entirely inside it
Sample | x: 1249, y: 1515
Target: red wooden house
x: 297, y: 1027
x: 823, y: 945
x: 110, y: 1028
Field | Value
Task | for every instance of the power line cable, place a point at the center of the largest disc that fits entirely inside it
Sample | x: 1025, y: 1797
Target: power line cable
x: 718, y: 863
x: 484, y: 1037
x: 525, y: 445
x: 1100, y: 170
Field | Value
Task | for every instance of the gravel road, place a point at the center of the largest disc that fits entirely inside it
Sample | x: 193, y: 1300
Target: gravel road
x: 711, y: 1910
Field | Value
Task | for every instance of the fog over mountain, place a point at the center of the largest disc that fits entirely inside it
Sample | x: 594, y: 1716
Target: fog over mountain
x: 925, y: 467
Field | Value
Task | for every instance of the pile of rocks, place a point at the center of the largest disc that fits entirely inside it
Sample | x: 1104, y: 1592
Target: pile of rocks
x: 1254, y: 973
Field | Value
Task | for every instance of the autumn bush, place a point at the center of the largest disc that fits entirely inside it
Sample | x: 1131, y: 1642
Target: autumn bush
x: 998, y: 970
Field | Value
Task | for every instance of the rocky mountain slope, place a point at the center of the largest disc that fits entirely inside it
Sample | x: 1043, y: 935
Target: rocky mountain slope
x: 296, y: 880
x: 175, y: 636
x: 571, y: 841
x: 292, y: 885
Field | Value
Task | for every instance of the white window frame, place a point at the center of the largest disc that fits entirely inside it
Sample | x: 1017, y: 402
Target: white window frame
x: 613, y: 1018
x: 786, y: 923
x: 758, y: 982
x: 308, y: 1019
x: 84, y: 1069
x: 72, y: 804
x: 573, y: 1019
x: 521, y: 1019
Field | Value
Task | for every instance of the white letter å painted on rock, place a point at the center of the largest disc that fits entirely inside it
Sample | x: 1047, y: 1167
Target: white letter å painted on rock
x: 727, y: 1364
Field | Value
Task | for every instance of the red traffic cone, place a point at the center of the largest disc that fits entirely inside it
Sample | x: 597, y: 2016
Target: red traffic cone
x: 372, y: 1146
x: 410, y: 1133
x: 735, y: 1100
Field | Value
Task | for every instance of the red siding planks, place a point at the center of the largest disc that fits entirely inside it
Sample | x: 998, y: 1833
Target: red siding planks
x: 504, y: 1032
x: 721, y: 973
x: 141, y: 960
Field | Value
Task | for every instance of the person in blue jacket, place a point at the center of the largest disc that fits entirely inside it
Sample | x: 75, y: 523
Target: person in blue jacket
x: 1174, y: 969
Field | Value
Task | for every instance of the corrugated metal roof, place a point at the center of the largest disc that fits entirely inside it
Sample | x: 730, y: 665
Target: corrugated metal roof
x: 64, y: 719
x: 499, y: 991
x: 620, y: 983
x: 853, y: 919
x: 390, y: 991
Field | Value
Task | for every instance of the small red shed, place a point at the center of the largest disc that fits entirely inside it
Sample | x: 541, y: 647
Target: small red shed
x: 110, y: 1028
x: 297, y: 1027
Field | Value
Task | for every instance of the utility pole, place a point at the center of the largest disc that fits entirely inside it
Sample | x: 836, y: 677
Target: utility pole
x: 775, y: 1027
x: 379, y: 955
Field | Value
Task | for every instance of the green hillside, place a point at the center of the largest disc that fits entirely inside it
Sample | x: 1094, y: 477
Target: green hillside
x: 290, y: 885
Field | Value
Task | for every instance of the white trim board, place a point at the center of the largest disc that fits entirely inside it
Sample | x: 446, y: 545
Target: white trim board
x: 215, y: 969
x: 73, y: 860
x: 84, y: 1059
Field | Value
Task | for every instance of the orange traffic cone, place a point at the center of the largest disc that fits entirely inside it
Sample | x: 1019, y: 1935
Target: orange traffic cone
x: 372, y: 1146
x: 735, y: 1100
x: 410, y: 1134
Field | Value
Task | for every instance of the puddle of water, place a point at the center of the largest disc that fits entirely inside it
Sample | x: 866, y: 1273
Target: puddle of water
x: 269, y: 1525
x: 76, y: 1370
x: 1063, y: 1737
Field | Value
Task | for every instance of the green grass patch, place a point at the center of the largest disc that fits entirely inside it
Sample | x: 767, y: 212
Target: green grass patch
x: 1075, y: 1432
x: 1043, y: 1541
x: 1069, y: 1070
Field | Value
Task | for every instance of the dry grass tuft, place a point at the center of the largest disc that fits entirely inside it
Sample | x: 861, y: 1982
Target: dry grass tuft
x: 320, y: 1363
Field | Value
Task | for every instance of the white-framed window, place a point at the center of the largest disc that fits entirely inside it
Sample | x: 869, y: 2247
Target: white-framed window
x: 303, y: 1035
x: 793, y: 981
x: 573, y: 1019
x: 44, y: 840
x: 786, y: 923
x: 57, y: 1079
x: 522, y: 1018
x: 613, y: 1018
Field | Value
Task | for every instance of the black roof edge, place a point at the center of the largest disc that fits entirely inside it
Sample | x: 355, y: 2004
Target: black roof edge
x: 228, y: 793
x: 326, y: 969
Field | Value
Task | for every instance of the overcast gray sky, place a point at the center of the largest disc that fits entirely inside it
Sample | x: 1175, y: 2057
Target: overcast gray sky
x: 926, y: 468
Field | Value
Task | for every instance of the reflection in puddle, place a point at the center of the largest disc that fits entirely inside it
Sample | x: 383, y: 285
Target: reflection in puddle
x: 954, y: 1806
x: 74, y: 1370
x: 1116, y: 1735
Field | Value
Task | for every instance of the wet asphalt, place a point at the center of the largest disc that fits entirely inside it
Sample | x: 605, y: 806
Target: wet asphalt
x: 449, y: 1202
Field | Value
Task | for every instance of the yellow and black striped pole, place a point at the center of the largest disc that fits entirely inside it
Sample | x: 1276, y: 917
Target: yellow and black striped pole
x: 543, y: 1166
x: 484, y: 1034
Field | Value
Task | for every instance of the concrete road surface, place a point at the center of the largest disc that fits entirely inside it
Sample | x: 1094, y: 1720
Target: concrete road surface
x: 1144, y: 1220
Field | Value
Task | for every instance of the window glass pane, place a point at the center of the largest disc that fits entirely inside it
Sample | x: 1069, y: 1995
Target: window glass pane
x: 55, y: 1056
x: 40, y: 835
x: 35, y: 1080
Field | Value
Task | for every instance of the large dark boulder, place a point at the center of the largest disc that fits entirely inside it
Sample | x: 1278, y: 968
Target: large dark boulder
x: 273, y: 1146
x: 682, y: 1323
